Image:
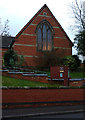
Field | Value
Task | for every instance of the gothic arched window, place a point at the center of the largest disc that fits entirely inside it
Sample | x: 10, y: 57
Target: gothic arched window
x: 44, y: 36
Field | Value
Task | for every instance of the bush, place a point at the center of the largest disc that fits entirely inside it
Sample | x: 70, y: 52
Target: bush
x: 84, y: 64
x: 73, y: 62
x: 49, y: 59
x: 10, y: 58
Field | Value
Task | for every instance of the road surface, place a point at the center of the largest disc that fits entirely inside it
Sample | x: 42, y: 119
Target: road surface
x: 47, y: 111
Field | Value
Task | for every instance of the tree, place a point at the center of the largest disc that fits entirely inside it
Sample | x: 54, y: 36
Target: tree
x: 79, y: 15
x: 77, y: 61
x: 78, y: 9
x: 84, y: 64
x: 0, y: 27
x: 80, y: 42
x: 4, y: 30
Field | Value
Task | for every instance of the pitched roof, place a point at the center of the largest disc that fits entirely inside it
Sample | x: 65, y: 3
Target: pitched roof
x: 7, y: 41
x: 44, y: 6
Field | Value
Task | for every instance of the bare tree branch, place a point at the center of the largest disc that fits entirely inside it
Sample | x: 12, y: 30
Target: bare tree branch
x: 78, y: 13
x: 4, y: 31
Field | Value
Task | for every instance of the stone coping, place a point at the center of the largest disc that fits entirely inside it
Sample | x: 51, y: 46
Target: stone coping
x: 15, y: 72
x: 4, y: 70
x: 77, y: 79
x: 74, y: 79
x: 43, y: 75
x: 56, y: 79
x: 42, y: 87
x: 21, y: 72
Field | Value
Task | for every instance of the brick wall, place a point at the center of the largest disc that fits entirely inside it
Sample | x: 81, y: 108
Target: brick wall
x: 76, y: 83
x: 43, y: 79
x: 41, y: 96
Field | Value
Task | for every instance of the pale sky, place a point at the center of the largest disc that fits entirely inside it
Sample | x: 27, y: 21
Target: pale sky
x: 19, y: 12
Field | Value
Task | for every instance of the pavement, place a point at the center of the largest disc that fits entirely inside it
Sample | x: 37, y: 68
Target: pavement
x: 37, y: 111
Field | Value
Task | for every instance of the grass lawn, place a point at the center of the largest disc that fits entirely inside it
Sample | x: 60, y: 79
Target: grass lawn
x: 7, y: 81
x: 77, y: 75
x: 73, y: 74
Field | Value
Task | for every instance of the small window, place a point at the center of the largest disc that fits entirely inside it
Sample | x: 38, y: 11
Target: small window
x: 45, y: 14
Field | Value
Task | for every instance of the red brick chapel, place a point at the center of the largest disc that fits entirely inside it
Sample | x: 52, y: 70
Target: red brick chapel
x: 42, y: 33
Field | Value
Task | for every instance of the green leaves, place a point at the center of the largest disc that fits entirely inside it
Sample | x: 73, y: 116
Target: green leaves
x: 10, y: 58
x: 72, y: 62
x: 69, y: 61
x: 80, y: 40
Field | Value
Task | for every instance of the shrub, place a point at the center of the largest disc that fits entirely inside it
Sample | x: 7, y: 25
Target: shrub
x: 84, y: 64
x: 49, y: 59
x: 72, y: 62
x: 10, y: 58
